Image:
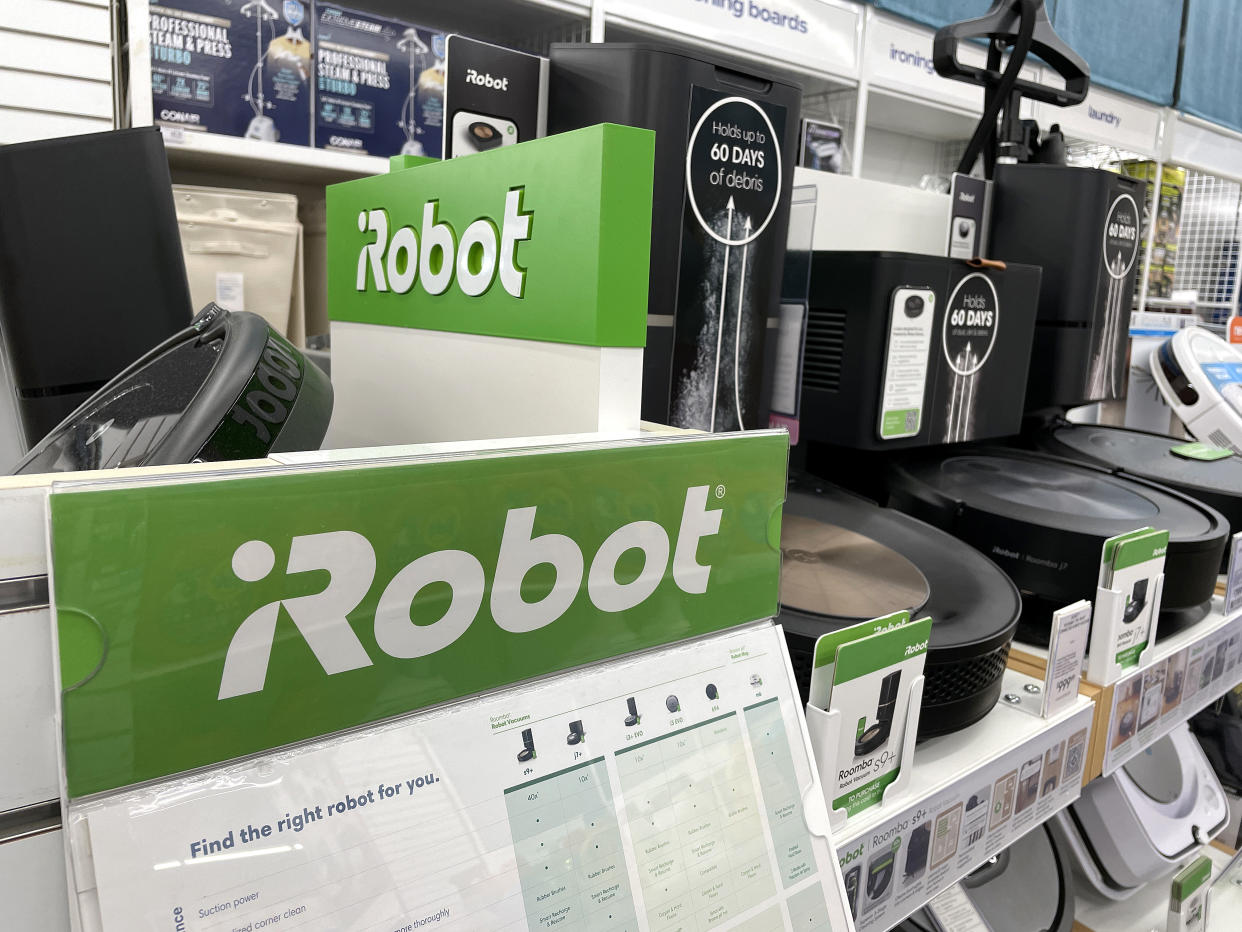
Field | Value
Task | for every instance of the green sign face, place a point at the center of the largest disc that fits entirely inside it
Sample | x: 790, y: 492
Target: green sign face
x: 546, y: 240
x: 202, y: 621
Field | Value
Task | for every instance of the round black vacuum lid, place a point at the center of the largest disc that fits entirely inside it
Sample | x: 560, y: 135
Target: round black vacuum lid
x: 1150, y: 456
x: 227, y: 387
x: 1055, y: 493
x: 974, y: 606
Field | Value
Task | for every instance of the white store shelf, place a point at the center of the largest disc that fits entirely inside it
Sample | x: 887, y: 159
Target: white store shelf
x: 211, y: 152
x: 983, y: 759
x: 1206, y: 636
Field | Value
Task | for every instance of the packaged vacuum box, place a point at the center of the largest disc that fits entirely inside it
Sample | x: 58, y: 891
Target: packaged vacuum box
x: 1081, y: 225
x: 240, y: 69
x: 907, y: 350
x: 379, y: 84
x: 726, y: 146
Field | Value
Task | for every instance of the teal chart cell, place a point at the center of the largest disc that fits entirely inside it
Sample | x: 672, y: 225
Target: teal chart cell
x: 569, y: 853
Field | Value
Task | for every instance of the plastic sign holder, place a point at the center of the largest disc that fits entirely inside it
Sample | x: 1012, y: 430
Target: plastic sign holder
x: 408, y: 712
x: 824, y: 728
x: 1110, y: 606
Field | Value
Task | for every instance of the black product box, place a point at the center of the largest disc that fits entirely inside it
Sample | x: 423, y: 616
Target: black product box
x: 493, y: 97
x: 379, y: 84
x: 240, y: 69
x: 726, y: 145
x: 906, y: 350
x: 1082, y: 226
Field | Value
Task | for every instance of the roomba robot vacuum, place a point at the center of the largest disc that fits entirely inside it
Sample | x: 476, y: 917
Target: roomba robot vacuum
x: 1138, y: 824
x: 1044, y: 521
x: 1028, y: 886
x: 228, y: 387
x: 1126, y: 452
x: 1200, y: 376
x: 845, y: 560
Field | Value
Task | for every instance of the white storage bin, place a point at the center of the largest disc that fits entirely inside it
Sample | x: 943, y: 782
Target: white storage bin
x: 243, y: 250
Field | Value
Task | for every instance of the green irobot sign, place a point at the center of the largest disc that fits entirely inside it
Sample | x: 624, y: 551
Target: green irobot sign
x: 201, y: 621
x: 545, y: 240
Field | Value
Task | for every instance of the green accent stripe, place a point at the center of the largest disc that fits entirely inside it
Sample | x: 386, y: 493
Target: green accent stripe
x: 763, y: 703
x: 883, y: 650
x: 1140, y: 549
x: 673, y: 734
x: 552, y: 776
x: 827, y: 645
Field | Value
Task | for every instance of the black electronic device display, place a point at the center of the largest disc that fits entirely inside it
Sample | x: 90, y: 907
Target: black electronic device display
x: 227, y: 387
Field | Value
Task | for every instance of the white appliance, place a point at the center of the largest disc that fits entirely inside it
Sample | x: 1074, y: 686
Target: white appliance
x: 1141, y: 822
x: 1200, y: 376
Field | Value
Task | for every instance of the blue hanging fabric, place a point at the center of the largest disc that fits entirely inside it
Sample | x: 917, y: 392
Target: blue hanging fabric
x: 1131, y: 45
x: 937, y: 13
x: 1209, y: 76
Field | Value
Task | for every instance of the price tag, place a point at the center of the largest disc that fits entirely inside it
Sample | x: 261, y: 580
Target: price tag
x: 1233, y: 592
x: 954, y: 912
x: 1066, y: 650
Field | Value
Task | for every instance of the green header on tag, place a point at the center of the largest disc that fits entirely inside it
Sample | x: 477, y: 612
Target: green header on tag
x: 545, y: 240
x: 1190, y: 878
x: 201, y: 621
x: 1139, y: 548
x: 1200, y: 451
x: 882, y: 650
x: 826, y: 645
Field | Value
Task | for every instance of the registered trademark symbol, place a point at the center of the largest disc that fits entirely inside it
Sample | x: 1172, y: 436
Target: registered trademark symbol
x: 720, y: 491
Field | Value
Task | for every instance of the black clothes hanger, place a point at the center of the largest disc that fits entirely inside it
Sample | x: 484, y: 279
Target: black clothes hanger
x: 1023, y: 27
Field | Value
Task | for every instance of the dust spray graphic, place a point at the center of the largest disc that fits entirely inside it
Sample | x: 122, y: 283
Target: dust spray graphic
x: 709, y: 396
x: 1105, y: 375
x: 960, y: 417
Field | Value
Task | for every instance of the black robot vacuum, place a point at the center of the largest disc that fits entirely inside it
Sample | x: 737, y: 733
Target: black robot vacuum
x: 845, y: 560
x: 1029, y: 886
x: 228, y: 387
x: 1044, y: 520
x: 1126, y: 452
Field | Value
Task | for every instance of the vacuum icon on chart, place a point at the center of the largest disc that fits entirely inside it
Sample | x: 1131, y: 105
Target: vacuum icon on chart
x: 712, y: 692
x: 576, y: 734
x: 528, y: 746
x: 633, y: 718
x: 672, y: 704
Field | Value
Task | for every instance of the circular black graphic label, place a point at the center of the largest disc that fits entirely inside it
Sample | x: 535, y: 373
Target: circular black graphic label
x: 733, y: 170
x: 1121, y: 236
x: 970, y: 324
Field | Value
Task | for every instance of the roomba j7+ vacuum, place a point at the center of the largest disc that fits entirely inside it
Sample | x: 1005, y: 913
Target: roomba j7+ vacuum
x: 228, y: 387
x: 1126, y: 452
x: 845, y: 560
x: 1138, y: 824
x: 1028, y: 886
x: 1044, y: 521
x: 1200, y: 376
